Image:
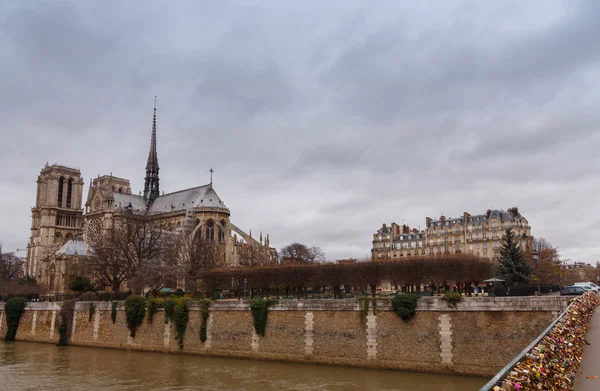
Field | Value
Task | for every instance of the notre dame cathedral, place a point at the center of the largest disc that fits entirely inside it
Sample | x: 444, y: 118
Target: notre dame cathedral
x: 61, y: 230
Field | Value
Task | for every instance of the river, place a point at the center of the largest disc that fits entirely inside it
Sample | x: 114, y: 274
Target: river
x: 36, y: 366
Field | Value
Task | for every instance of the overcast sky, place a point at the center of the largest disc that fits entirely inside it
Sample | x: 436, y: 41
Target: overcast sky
x: 322, y: 120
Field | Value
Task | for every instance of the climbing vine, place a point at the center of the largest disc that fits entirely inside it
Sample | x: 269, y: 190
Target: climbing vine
x: 405, y: 305
x: 92, y: 310
x: 14, y: 309
x: 113, y: 312
x: 66, y: 322
x: 452, y: 298
x: 204, y: 311
x: 153, y: 306
x: 169, y: 306
x: 363, y: 306
x: 260, y: 311
x: 135, y: 310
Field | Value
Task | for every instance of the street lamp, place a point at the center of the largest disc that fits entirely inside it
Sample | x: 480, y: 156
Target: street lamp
x: 245, y: 281
x: 536, y: 257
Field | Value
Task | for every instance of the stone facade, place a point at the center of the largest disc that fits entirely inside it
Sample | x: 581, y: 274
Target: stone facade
x: 478, y: 337
x: 58, y: 219
x: 477, y: 235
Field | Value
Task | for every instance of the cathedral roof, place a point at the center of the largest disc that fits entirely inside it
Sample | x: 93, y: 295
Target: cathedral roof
x: 73, y: 247
x: 123, y: 200
x: 196, y: 197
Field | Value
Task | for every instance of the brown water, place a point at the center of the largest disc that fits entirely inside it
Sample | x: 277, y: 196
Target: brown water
x: 36, y: 366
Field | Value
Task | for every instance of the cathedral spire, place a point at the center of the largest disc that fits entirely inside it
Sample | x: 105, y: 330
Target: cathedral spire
x: 151, y: 187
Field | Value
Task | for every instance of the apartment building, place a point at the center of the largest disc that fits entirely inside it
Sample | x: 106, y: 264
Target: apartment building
x: 477, y: 235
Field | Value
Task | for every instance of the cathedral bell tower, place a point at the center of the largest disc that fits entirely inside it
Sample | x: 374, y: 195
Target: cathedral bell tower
x: 151, y: 186
x: 56, y: 217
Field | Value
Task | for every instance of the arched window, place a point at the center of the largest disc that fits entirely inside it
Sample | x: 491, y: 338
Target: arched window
x: 58, y: 238
x: 221, y: 235
x: 69, y: 192
x: 120, y: 190
x: 68, y: 221
x: 68, y: 237
x: 61, y: 182
x: 210, y: 231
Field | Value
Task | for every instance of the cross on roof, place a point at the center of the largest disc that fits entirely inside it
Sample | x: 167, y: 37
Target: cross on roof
x: 211, y: 172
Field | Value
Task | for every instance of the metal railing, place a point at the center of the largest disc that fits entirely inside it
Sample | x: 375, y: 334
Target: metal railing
x: 508, y: 367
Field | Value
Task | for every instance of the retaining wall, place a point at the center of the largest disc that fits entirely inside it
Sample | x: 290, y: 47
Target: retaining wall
x: 477, y: 338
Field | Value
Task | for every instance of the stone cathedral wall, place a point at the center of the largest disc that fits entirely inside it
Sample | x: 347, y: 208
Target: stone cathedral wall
x: 478, y: 337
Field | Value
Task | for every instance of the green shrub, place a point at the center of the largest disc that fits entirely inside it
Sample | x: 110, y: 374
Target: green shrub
x: 13, y: 309
x: 260, y: 311
x: 135, y: 310
x: 81, y: 284
x: 204, y: 310
x: 405, y: 305
x: 113, y: 312
x: 92, y: 310
x: 153, y: 306
x: 452, y: 298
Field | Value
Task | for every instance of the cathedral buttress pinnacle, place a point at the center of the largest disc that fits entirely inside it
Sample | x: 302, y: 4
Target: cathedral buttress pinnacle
x: 151, y: 187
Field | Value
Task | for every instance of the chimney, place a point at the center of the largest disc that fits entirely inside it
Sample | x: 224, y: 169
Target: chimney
x: 442, y: 218
x: 514, y: 210
x: 427, y: 221
x: 488, y: 213
x: 384, y: 227
x: 415, y: 230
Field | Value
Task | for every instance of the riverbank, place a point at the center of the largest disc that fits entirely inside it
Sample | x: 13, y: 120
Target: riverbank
x: 438, y: 339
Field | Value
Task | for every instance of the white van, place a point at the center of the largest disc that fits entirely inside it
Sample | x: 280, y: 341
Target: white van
x: 587, y: 286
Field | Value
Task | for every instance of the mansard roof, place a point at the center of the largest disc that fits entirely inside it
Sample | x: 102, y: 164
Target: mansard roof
x: 196, y: 197
x: 72, y: 247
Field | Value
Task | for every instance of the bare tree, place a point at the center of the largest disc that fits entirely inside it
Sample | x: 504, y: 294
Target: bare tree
x: 199, y: 256
x: 252, y: 255
x: 298, y: 254
x: 546, y: 269
x: 10, y: 265
x: 135, y: 241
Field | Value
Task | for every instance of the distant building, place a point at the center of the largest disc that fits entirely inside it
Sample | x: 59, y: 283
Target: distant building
x: 477, y: 235
x: 348, y: 261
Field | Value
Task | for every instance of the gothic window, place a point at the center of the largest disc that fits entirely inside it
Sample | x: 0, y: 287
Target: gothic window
x: 61, y: 182
x: 210, y: 231
x: 69, y: 192
x: 68, y: 237
x: 68, y: 221
x: 221, y: 235
x: 58, y: 238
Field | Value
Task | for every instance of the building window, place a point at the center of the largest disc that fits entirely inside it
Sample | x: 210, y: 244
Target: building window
x: 69, y: 192
x: 61, y: 182
x: 445, y: 240
x: 68, y: 222
x: 423, y: 252
x: 431, y: 251
x: 483, y: 236
x: 446, y: 249
x: 210, y: 231
x: 457, y: 248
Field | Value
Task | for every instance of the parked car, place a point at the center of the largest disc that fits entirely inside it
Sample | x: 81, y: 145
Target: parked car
x: 588, y: 286
x: 572, y: 291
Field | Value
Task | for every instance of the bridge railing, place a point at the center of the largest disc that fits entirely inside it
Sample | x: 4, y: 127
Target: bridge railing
x: 509, y: 367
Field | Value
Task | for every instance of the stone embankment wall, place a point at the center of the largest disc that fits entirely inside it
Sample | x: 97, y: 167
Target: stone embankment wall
x: 478, y: 337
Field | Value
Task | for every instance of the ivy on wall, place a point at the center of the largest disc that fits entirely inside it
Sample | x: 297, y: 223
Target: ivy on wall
x: 13, y: 309
x: 405, y: 305
x: 260, y: 312
x: 452, y: 298
x: 113, y: 312
x: 135, y: 310
x: 153, y: 306
x: 92, y: 311
x: 204, y: 311
x: 66, y: 322
x: 363, y: 306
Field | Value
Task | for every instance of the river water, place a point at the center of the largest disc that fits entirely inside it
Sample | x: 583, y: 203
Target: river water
x: 36, y: 366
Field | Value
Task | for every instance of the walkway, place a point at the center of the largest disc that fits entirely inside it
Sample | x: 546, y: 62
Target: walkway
x: 590, y: 365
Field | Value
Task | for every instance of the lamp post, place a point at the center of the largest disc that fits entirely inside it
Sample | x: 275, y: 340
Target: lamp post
x: 536, y: 257
x: 245, y: 281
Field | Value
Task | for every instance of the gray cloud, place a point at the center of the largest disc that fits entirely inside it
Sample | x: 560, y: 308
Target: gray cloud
x: 322, y: 121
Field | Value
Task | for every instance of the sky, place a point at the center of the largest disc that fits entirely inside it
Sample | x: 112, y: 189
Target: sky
x: 321, y: 120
